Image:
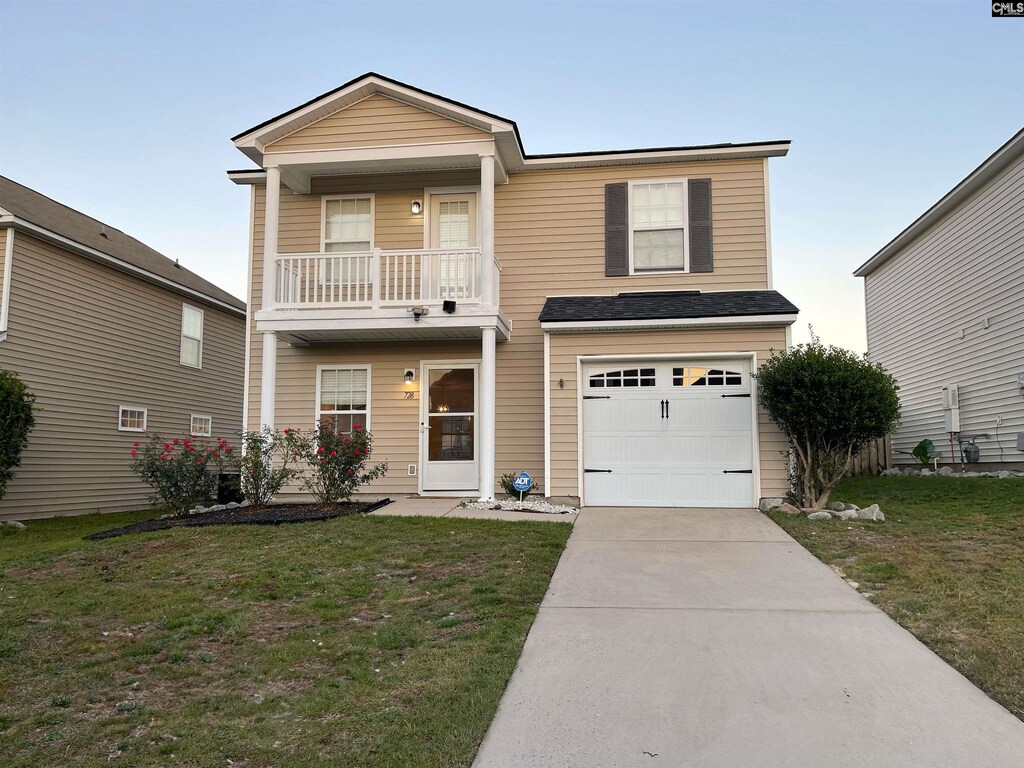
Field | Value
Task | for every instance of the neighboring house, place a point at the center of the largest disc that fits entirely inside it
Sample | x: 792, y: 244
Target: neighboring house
x: 115, y: 340
x: 593, y: 318
x: 945, y: 315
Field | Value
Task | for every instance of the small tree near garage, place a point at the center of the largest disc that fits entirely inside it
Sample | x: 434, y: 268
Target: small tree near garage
x: 830, y: 403
x: 16, y: 421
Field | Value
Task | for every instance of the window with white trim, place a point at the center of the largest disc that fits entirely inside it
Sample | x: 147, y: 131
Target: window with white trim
x: 348, y: 224
x: 200, y: 426
x: 631, y: 377
x: 130, y: 419
x: 658, y: 226
x: 191, y: 336
x: 343, y: 398
x: 705, y: 377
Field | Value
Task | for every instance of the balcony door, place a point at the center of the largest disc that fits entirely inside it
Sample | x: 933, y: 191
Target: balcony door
x: 449, y: 428
x: 454, y: 227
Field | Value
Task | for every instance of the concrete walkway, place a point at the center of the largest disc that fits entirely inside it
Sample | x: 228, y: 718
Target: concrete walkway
x: 431, y: 506
x: 710, y: 638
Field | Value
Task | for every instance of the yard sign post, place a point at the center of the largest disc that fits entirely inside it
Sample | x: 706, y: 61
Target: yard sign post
x: 522, y: 483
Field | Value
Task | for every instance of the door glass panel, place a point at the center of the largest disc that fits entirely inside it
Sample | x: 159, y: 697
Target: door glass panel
x: 452, y: 391
x: 451, y: 438
x: 453, y: 224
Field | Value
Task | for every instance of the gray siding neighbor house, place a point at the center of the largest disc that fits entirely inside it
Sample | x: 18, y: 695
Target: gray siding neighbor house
x: 945, y: 315
x: 115, y: 340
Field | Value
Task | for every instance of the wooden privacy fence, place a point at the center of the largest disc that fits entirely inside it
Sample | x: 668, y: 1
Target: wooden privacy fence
x: 875, y: 458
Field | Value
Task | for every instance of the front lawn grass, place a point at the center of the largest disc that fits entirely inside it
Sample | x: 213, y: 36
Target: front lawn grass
x: 359, y: 641
x: 948, y: 564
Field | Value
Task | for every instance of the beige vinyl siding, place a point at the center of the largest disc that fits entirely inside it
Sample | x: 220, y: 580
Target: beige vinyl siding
x: 549, y: 239
x: 565, y: 348
x: 926, y: 312
x: 377, y: 121
x: 86, y: 339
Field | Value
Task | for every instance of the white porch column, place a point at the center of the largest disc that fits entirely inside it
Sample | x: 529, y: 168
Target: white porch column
x: 487, y: 269
x: 272, y: 211
x: 271, y: 219
x: 487, y: 414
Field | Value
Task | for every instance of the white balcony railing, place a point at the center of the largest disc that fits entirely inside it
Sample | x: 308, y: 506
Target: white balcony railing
x: 379, y: 278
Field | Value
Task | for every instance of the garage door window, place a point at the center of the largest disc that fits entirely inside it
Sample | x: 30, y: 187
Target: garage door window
x: 705, y: 377
x: 631, y: 377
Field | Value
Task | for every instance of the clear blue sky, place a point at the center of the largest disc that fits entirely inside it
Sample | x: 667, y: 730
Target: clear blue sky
x: 124, y: 109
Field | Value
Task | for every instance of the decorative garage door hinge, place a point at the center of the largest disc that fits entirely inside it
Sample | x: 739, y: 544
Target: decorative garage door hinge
x: 737, y: 471
x: 597, y: 397
x: 598, y: 470
x: 745, y: 394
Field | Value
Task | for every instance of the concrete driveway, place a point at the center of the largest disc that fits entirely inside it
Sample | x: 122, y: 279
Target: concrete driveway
x: 711, y: 638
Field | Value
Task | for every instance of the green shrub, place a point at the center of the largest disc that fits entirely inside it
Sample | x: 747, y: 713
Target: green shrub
x: 266, y: 464
x: 507, y: 483
x: 16, y: 421
x: 830, y: 403
x: 336, y: 463
x: 182, y: 472
x: 924, y: 452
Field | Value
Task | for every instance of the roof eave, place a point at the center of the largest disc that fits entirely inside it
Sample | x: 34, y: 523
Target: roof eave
x: 984, y: 173
x: 719, y: 321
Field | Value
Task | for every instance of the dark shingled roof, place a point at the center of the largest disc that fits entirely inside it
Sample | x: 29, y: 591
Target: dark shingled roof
x: 38, y: 209
x: 665, y: 305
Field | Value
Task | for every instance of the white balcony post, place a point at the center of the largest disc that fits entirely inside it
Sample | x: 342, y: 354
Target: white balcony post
x: 487, y: 414
x: 271, y: 217
x: 375, y: 279
x: 268, y: 380
x: 487, y: 294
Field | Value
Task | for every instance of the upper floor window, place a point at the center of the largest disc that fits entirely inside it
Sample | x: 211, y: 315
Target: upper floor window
x: 658, y: 225
x: 348, y: 224
x: 191, y: 336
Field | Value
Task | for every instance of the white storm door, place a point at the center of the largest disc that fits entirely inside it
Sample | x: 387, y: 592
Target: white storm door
x: 449, y: 428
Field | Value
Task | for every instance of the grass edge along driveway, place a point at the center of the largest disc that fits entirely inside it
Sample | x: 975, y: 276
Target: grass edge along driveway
x: 948, y: 565
x: 360, y: 641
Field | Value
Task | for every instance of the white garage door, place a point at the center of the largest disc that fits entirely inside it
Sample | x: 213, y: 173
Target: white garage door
x: 668, y: 433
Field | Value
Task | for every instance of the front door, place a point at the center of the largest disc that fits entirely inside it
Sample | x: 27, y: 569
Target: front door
x: 449, y: 428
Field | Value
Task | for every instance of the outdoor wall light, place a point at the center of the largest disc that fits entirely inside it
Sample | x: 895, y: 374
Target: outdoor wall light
x: 410, y: 375
x: 417, y: 206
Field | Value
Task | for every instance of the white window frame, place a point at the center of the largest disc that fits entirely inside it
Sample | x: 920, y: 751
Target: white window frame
x: 120, y: 418
x: 685, y: 181
x: 182, y: 337
x: 324, y: 199
x: 317, y: 413
x: 192, y: 422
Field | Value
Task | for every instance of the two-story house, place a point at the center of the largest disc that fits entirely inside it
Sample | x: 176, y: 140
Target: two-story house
x: 594, y: 318
x: 116, y: 341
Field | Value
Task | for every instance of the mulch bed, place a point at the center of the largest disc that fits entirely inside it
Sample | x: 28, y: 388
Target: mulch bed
x: 275, y: 514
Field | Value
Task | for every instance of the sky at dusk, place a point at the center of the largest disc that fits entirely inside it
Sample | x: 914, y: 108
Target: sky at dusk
x: 124, y: 110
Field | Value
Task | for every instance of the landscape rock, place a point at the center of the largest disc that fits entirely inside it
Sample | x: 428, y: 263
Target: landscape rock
x: 848, y: 507
x: 894, y: 472
x: 820, y: 515
x: 232, y: 505
x: 789, y: 509
x: 14, y: 524
x: 972, y: 474
x: 845, y: 514
x: 945, y: 471
x: 769, y: 503
x: 871, y: 513
x: 926, y: 473
x: 911, y: 472
x: 837, y: 506
x: 1002, y: 474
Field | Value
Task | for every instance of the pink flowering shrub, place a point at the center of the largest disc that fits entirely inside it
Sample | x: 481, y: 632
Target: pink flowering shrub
x: 337, y: 464
x: 182, y: 472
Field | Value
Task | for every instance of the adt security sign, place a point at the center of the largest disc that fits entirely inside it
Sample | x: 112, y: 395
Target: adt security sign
x: 522, y: 483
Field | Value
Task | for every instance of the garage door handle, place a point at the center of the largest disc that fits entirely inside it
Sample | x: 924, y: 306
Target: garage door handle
x: 597, y: 397
x: 598, y: 470
x: 737, y: 471
x: 663, y: 409
x: 745, y: 394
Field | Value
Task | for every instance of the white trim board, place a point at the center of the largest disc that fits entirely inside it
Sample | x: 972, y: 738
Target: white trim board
x: 5, y: 297
x: 583, y: 326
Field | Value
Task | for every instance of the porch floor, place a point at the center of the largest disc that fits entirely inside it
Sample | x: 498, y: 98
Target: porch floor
x: 423, y: 506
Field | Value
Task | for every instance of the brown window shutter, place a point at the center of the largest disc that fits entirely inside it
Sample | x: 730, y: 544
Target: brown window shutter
x: 616, y: 230
x: 701, y: 254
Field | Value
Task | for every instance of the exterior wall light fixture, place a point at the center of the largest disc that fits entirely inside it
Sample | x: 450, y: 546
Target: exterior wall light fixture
x: 417, y: 207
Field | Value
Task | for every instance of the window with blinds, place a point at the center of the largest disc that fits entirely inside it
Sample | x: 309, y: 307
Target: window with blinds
x: 343, y: 399
x: 659, y: 225
x: 348, y: 224
x: 191, y: 336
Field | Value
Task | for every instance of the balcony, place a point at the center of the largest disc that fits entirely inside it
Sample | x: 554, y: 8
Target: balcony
x: 370, y: 295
